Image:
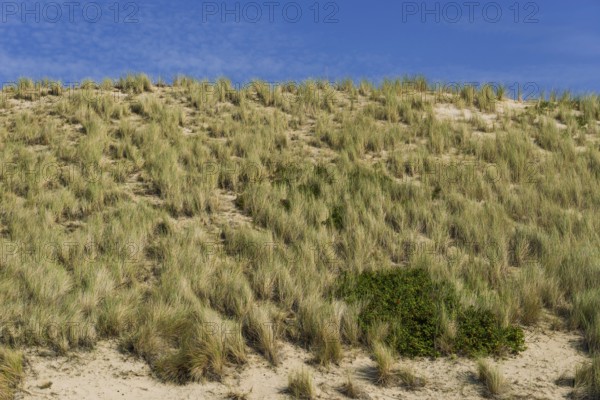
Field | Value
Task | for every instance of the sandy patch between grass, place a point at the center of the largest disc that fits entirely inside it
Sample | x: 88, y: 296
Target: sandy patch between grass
x: 105, y: 373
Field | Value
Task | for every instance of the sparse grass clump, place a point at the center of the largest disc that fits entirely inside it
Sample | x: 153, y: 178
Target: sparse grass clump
x: 11, y: 372
x: 26, y: 89
x: 500, y: 92
x: 467, y: 94
x: 300, y: 384
x: 491, y: 377
x: 262, y: 334
x: 585, y: 316
x: 350, y: 388
x: 384, y: 360
x: 410, y: 379
x: 134, y: 83
x: 587, y: 380
x: 486, y: 99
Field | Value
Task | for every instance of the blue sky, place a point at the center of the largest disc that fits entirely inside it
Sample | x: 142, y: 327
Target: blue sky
x: 550, y: 43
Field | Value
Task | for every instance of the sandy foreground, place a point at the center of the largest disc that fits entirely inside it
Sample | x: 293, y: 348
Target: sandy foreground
x: 105, y: 373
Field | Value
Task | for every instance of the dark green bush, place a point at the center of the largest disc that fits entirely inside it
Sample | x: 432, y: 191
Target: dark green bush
x: 410, y: 303
x: 480, y: 334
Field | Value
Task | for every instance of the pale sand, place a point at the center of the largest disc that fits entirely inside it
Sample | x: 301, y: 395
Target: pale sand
x: 106, y: 374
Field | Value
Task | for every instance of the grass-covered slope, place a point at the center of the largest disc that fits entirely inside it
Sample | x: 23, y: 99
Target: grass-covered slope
x: 195, y: 221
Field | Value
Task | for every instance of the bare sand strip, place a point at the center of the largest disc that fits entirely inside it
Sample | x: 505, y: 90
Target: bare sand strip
x: 107, y: 374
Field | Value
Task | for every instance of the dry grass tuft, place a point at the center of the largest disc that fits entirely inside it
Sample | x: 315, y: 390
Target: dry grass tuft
x: 587, y: 380
x: 11, y: 372
x: 300, y: 385
x: 384, y: 358
x: 492, y: 378
x: 353, y: 390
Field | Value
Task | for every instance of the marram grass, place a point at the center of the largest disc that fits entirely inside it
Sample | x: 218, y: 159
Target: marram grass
x: 194, y: 221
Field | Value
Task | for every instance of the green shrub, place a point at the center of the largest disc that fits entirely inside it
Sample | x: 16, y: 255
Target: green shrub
x: 479, y: 333
x: 410, y: 303
x: 401, y: 298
